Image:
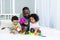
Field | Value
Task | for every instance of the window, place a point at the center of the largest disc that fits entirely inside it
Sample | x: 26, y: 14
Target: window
x: 0, y: 6
x: 19, y: 4
x: 9, y: 8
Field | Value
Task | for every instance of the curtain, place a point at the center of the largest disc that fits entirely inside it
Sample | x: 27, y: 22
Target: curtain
x: 49, y: 13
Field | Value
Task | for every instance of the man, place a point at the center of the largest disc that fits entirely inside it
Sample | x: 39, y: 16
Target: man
x: 25, y: 14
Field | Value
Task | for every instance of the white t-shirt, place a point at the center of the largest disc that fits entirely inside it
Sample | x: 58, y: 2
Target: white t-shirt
x: 34, y: 25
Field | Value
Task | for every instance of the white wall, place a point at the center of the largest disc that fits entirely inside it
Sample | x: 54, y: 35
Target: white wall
x: 19, y: 4
x: 0, y: 6
x: 49, y: 11
x: 7, y: 5
x: 11, y: 7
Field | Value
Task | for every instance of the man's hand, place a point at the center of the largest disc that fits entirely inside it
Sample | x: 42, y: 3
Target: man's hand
x: 26, y: 23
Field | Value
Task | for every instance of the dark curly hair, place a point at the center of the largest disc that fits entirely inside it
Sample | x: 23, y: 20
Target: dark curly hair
x: 14, y: 18
x: 35, y: 16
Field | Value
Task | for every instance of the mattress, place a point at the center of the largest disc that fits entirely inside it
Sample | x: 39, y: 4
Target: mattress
x: 50, y: 33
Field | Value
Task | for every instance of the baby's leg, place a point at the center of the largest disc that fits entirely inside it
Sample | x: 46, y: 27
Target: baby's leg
x: 11, y: 31
x: 2, y: 28
x: 39, y: 31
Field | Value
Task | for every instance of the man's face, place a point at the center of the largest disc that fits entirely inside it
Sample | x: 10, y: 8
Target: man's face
x: 26, y: 13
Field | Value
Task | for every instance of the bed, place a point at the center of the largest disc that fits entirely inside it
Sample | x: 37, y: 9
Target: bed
x: 50, y: 33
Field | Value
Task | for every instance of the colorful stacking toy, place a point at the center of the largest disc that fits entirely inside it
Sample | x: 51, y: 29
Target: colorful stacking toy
x: 22, y: 20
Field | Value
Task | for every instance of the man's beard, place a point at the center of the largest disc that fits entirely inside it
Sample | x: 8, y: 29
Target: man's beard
x: 26, y: 17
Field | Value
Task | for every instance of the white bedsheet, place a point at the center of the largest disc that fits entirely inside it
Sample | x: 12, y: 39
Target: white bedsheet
x: 51, y: 34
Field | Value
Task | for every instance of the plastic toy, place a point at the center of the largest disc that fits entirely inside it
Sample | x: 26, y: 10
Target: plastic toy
x: 43, y: 36
x: 32, y: 30
x: 40, y: 34
x: 16, y: 27
x: 36, y: 34
x: 22, y: 20
x: 30, y: 33
x: 23, y: 33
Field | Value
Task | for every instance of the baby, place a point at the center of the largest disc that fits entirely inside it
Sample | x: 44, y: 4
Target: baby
x: 15, y: 26
x: 34, y: 26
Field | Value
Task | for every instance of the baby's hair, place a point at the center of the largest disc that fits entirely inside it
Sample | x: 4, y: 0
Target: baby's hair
x: 14, y: 18
x: 35, y: 16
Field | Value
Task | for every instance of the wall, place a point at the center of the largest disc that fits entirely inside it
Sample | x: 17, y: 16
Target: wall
x: 13, y: 7
x: 49, y: 13
x: 19, y: 4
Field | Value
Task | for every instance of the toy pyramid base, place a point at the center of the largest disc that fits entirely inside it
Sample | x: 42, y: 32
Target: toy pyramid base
x: 30, y: 33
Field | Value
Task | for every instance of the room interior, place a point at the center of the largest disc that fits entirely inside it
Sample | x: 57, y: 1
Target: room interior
x: 47, y: 10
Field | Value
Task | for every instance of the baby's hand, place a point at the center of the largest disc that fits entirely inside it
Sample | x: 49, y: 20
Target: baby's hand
x: 26, y: 23
x: 12, y: 28
x: 36, y: 28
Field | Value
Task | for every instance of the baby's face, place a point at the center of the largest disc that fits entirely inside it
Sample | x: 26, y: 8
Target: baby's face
x: 32, y: 20
x: 15, y: 21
